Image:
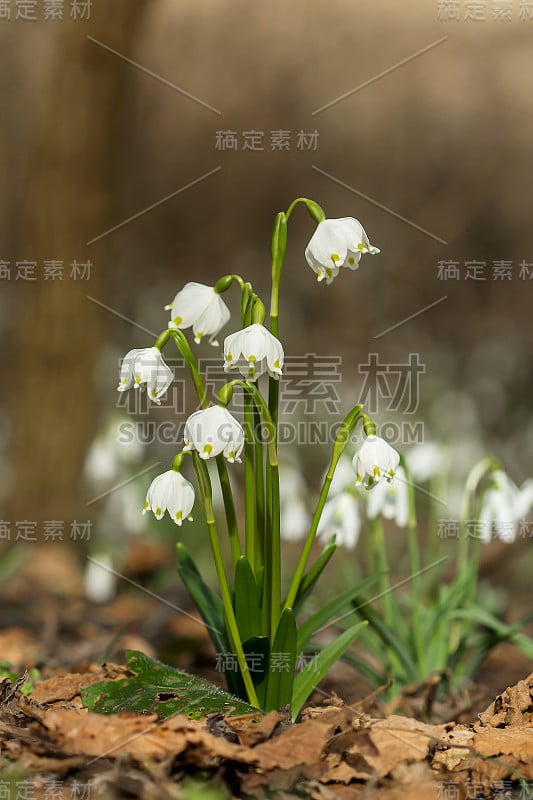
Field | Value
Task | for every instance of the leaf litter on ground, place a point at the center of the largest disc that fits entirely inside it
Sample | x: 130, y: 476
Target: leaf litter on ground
x: 332, y: 751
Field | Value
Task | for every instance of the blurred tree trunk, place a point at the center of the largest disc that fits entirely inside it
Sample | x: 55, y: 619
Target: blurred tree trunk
x: 71, y: 197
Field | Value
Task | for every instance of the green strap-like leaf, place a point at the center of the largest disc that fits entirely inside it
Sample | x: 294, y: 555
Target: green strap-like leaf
x: 388, y: 637
x: 257, y: 655
x: 310, y: 578
x: 246, y: 601
x: 502, y: 630
x: 314, y: 671
x: 282, y: 663
x: 205, y: 599
x: 158, y: 688
x: 374, y: 677
x: 322, y: 617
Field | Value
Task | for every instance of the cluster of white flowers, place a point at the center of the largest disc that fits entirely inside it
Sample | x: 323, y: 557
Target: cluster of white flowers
x: 253, y: 351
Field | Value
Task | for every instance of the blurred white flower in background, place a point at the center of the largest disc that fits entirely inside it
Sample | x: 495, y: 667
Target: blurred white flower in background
x: 341, y: 516
x: 343, y: 477
x: 110, y: 454
x: 525, y: 498
x: 500, y: 508
x: 295, y: 517
x: 426, y: 460
x: 99, y: 580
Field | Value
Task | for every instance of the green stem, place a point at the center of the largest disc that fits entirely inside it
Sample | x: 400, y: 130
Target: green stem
x: 306, y: 550
x: 314, y: 209
x: 250, y: 533
x: 259, y: 485
x: 473, y: 481
x: 272, y: 554
x: 188, y: 356
x: 414, y: 565
x: 204, y: 483
x: 227, y: 495
x: 229, y: 508
x: 345, y: 431
x: 380, y: 565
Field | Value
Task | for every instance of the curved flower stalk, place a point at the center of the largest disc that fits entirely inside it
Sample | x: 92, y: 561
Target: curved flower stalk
x: 343, y: 477
x: 253, y: 351
x: 341, y: 517
x: 200, y: 307
x: 337, y: 243
x: 173, y: 493
x: 212, y: 431
x: 375, y: 460
x: 146, y: 366
x: 390, y: 499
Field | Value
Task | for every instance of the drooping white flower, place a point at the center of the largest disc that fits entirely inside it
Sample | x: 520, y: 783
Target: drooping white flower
x: 500, y: 509
x: 199, y: 306
x: 212, y: 431
x: 374, y: 460
x: 253, y: 351
x: 337, y: 243
x: 146, y: 366
x: 391, y: 500
x: 170, y: 492
x: 341, y: 517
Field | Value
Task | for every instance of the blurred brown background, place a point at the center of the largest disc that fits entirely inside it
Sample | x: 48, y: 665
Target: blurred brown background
x: 90, y: 140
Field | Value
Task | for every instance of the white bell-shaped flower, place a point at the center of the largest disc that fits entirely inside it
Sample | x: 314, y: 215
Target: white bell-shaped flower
x: 337, y: 243
x: 253, y: 351
x: 212, y: 431
x: 200, y: 307
x: 391, y: 500
x: 173, y: 493
x: 500, y: 509
x: 146, y: 366
x: 374, y: 460
x: 341, y: 517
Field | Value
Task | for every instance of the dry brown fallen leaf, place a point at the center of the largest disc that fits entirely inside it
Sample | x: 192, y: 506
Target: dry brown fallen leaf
x: 66, y: 687
x: 335, y: 751
x: 513, y: 707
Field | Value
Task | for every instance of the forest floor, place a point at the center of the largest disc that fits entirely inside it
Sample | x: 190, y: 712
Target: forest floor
x: 345, y: 744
